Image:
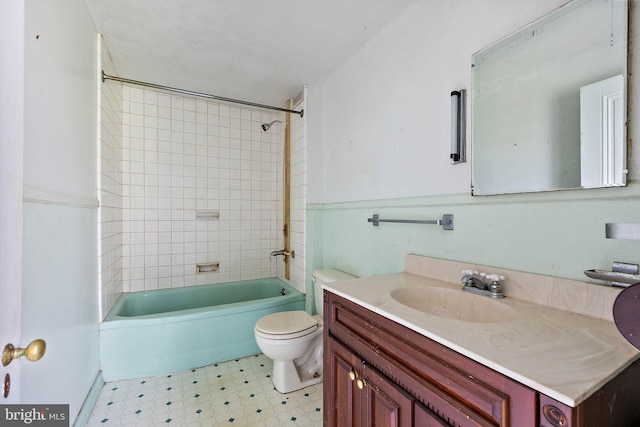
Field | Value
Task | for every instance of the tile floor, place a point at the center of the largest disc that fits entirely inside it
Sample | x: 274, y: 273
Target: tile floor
x: 234, y: 393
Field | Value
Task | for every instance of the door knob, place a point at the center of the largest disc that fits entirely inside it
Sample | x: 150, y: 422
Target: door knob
x: 34, y: 351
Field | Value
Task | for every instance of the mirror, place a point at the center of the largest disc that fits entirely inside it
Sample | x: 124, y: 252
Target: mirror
x: 549, y: 103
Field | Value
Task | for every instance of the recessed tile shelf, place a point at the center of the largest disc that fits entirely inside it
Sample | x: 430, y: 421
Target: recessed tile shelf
x: 207, y: 215
x: 210, y: 267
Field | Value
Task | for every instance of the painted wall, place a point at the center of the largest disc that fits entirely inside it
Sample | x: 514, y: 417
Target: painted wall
x: 381, y: 137
x: 60, y: 287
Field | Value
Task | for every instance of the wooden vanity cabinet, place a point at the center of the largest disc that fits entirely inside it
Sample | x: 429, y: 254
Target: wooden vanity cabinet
x: 380, y: 373
x: 407, y: 379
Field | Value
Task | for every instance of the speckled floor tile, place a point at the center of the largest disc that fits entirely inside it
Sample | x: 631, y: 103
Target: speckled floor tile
x: 234, y: 393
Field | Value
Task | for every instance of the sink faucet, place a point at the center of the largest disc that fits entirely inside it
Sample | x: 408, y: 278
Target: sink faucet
x: 472, y: 280
x: 482, y: 283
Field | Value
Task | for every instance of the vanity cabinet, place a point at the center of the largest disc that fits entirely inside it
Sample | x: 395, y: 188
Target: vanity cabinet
x: 380, y: 373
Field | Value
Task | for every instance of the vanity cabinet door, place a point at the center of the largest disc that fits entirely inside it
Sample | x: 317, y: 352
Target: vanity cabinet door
x: 359, y: 396
x: 425, y: 418
x: 386, y: 404
x: 342, y: 398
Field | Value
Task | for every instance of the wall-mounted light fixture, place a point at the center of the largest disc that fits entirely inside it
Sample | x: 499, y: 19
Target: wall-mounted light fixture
x: 458, y: 126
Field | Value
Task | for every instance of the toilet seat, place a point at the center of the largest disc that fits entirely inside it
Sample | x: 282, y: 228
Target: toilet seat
x: 286, y: 325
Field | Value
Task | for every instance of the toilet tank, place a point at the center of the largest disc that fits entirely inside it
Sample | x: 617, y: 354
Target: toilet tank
x: 321, y: 277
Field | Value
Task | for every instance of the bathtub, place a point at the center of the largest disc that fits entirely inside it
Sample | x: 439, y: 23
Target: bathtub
x: 159, y: 332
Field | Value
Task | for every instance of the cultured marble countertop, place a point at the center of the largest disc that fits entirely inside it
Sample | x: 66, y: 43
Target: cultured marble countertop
x: 565, y: 355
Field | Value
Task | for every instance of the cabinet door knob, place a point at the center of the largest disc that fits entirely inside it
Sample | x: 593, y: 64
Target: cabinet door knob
x: 361, y: 383
x: 352, y: 375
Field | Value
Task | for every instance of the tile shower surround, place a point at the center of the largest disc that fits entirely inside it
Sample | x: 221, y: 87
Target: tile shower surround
x: 181, y: 155
x: 109, y: 186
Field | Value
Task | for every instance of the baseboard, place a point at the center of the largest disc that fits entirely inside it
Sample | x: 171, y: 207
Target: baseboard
x: 89, y: 402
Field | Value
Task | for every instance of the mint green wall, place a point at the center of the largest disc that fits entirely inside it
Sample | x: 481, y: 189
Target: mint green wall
x: 558, y: 233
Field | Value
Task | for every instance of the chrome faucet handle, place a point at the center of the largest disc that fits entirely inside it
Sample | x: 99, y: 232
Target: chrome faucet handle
x: 495, y: 287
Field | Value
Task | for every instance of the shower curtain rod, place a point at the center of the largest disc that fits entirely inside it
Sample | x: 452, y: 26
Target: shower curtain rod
x: 202, y: 95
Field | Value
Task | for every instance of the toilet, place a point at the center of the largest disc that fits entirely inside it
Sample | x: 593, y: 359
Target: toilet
x: 293, y: 339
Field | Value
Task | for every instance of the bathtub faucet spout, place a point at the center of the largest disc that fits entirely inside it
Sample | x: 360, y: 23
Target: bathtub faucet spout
x: 284, y: 252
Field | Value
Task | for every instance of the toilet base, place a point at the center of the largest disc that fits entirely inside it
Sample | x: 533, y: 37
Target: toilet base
x: 287, y: 378
x: 292, y: 375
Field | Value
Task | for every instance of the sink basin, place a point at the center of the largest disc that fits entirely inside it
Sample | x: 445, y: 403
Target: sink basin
x: 453, y: 304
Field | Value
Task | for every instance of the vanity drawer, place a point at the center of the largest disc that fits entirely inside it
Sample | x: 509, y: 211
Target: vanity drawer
x: 454, y: 387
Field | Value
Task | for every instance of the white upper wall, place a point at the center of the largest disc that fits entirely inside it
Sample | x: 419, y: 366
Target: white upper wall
x: 379, y: 126
x: 60, y: 114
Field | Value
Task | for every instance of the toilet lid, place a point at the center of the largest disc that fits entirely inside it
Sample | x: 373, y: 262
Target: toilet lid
x: 287, y: 324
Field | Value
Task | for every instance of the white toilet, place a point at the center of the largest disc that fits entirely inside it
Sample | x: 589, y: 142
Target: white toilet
x: 293, y: 340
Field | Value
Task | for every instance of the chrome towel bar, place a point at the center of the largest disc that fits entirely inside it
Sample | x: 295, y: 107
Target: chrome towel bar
x: 446, y: 222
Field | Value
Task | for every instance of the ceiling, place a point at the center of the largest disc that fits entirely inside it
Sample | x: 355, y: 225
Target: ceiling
x: 256, y: 50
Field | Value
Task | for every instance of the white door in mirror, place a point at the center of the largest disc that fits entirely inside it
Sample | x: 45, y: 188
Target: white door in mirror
x: 602, y: 140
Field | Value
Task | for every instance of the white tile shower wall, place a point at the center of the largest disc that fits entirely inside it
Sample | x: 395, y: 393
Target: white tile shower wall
x: 109, y: 186
x: 181, y: 155
x: 299, y: 197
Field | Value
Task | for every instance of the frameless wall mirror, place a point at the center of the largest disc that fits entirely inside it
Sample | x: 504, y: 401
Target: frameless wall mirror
x: 549, y: 103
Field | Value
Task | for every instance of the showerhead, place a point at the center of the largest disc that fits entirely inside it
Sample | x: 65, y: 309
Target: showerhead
x: 266, y: 126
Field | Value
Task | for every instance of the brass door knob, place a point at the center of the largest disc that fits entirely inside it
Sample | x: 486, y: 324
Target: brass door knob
x: 360, y: 383
x: 34, y: 351
x: 353, y: 375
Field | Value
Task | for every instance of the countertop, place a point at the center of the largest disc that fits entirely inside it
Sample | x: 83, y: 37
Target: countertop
x: 565, y: 355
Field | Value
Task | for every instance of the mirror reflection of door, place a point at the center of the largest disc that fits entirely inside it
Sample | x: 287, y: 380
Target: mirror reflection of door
x: 602, y: 153
x: 525, y: 124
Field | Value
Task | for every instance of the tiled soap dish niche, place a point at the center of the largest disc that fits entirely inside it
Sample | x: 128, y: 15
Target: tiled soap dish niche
x: 207, y: 215
x: 208, y: 267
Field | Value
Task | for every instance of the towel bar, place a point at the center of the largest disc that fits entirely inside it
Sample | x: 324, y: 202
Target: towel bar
x: 446, y: 222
